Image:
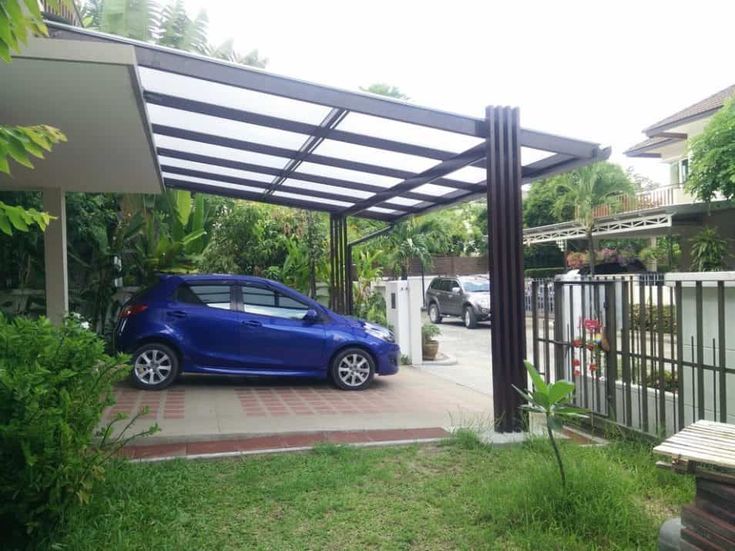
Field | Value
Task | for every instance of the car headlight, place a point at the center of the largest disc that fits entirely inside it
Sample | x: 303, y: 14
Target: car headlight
x: 484, y: 302
x: 379, y: 332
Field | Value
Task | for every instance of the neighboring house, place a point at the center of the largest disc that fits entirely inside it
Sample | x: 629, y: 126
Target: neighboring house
x: 665, y: 210
x: 667, y: 139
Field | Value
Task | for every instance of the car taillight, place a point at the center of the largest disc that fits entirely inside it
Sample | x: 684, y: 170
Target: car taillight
x: 132, y: 309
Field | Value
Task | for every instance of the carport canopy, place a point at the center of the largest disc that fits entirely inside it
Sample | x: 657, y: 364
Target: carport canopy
x: 243, y: 132
x: 227, y: 129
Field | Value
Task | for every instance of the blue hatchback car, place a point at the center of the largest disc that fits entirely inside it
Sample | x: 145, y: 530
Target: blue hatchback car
x: 242, y: 325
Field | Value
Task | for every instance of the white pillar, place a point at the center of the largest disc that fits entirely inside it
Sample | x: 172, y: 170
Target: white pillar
x: 54, y: 238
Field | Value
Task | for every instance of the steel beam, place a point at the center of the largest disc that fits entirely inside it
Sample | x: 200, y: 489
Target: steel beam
x: 275, y: 151
x: 287, y: 125
x: 272, y: 171
x: 334, y: 117
x: 505, y: 243
x: 438, y: 171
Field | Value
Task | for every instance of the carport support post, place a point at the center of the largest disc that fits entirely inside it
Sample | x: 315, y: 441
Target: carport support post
x: 505, y: 243
x: 54, y: 246
x: 338, y: 258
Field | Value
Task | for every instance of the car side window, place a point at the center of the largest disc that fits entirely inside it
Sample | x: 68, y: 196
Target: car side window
x: 214, y: 296
x: 452, y: 284
x: 267, y: 302
x: 436, y: 285
x: 441, y: 285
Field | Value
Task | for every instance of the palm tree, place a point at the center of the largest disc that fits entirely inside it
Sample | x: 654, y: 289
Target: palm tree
x: 135, y: 19
x: 177, y: 30
x: 409, y: 240
x: 588, y: 188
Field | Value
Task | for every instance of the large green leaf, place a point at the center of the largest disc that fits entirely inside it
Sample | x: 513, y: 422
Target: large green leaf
x: 538, y: 381
x: 559, y: 391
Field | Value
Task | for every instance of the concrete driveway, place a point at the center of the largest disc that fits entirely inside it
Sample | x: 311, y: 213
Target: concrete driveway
x: 469, y: 350
x: 210, y: 407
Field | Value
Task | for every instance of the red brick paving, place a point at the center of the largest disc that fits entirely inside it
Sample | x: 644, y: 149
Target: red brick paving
x: 283, y: 441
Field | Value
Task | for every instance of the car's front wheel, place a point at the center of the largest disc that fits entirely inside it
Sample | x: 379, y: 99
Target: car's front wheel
x: 470, y: 318
x: 434, y: 314
x: 352, y: 369
x: 155, y: 366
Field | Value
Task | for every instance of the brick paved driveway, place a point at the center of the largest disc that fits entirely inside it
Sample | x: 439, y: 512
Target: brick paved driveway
x: 200, y: 408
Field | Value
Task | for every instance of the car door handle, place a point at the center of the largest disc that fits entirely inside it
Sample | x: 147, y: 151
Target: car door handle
x: 252, y: 323
x: 177, y: 314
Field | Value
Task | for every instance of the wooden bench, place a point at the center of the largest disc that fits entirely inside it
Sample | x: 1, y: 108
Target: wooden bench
x: 707, y: 450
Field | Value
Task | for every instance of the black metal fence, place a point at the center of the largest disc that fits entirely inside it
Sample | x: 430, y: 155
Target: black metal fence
x: 647, y: 352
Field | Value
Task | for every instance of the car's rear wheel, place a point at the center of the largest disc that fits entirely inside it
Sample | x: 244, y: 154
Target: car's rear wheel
x: 470, y: 318
x: 352, y: 369
x: 155, y: 366
x: 434, y: 314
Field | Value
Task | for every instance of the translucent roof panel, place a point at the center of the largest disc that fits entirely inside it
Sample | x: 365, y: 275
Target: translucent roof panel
x: 433, y: 189
x: 314, y: 200
x: 224, y: 127
x: 347, y: 174
x: 407, y: 133
x: 382, y: 210
x: 230, y: 96
x: 469, y: 174
x: 402, y: 201
x: 350, y: 194
x: 219, y: 152
x: 378, y: 157
x: 214, y: 169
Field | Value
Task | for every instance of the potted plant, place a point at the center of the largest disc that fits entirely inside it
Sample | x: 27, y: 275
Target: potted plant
x: 429, y: 345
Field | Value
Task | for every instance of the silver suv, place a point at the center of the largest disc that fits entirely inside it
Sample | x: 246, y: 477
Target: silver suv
x: 465, y: 296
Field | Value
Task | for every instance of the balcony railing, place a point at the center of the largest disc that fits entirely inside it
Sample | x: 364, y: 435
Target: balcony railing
x: 61, y: 12
x: 659, y: 197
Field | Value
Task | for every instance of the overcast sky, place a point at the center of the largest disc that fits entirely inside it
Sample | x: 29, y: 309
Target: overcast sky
x: 594, y: 69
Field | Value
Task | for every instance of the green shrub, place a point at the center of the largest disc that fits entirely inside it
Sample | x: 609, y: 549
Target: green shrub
x: 429, y: 331
x: 55, y: 383
x: 650, y: 318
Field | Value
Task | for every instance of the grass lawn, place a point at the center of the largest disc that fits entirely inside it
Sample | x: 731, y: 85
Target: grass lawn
x: 459, y: 495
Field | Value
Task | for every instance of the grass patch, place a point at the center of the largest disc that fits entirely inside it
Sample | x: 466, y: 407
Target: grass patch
x: 461, y: 495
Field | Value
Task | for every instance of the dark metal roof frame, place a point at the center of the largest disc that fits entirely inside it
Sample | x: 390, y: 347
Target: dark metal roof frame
x: 384, y: 202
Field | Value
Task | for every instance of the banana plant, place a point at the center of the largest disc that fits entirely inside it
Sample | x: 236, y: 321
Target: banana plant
x: 552, y: 400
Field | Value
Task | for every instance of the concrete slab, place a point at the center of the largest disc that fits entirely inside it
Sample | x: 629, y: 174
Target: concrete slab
x: 199, y: 408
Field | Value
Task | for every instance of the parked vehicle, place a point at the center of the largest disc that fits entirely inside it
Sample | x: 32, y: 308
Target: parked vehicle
x: 465, y: 296
x: 240, y: 325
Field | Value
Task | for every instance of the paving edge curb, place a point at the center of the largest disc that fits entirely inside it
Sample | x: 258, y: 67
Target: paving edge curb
x: 271, y: 451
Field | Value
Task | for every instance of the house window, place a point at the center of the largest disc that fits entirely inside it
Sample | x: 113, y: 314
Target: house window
x: 683, y: 170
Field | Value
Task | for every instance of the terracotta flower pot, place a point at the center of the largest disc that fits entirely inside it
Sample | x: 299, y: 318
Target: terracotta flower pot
x: 429, y: 350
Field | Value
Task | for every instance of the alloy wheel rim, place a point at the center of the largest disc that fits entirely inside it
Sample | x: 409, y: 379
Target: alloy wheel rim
x: 467, y: 318
x: 353, y: 370
x: 153, y: 367
x: 433, y: 313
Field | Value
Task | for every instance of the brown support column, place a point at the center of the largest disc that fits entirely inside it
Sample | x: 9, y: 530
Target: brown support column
x: 505, y: 243
x: 338, y: 257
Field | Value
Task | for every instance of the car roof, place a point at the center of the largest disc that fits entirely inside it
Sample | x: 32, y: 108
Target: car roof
x: 219, y: 277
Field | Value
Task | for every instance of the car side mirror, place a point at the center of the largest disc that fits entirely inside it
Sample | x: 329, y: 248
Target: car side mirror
x: 311, y: 315
x: 456, y: 290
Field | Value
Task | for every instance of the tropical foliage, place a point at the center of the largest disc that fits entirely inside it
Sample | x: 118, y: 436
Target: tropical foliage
x: 55, y: 383
x: 713, y: 157
x: 709, y: 251
x: 171, y: 26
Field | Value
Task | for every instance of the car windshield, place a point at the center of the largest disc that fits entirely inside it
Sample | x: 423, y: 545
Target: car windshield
x: 476, y: 285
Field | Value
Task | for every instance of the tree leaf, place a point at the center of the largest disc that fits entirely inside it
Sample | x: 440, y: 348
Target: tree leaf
x: 538, y: 382
x: 560, y: 390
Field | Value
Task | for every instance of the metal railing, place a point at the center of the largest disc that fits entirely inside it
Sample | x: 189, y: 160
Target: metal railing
x: 648, y: 353
x: 660, y: 197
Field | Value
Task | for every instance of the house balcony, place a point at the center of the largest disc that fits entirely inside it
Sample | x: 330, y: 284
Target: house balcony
x: 660, y: 197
